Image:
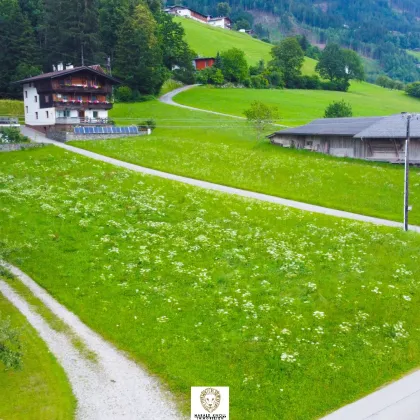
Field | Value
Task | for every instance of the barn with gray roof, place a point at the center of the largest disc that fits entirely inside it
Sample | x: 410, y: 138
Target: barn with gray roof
x: 372, y: 138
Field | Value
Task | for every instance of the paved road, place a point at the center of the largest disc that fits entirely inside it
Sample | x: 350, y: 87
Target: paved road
x: 398, y: 401
x: 38, y: 137
x: 168, y: 99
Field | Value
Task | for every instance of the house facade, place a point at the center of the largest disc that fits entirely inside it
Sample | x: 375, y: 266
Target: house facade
x: 201, y: 63
x: 67, y: 96
x: 220, y: 22
x: 186, y: 12
x: 369, y: 138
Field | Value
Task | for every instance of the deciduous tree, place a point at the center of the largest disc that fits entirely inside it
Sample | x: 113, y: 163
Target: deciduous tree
x: 261, y: 116
x: 288, y: 57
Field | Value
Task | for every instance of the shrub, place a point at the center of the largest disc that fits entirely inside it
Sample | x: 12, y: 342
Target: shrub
x: 413, y: 89
x: 338, y: 110
x: 12, y: 135
x: 124, y: 94
x: 338, y: 85
x: 148, y: 124
x: 275, y: 78
x: 311, y: 82
x: 259, y: 82
x: 10, y: 346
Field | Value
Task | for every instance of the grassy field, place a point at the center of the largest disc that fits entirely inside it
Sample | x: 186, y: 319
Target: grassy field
x: 11, y: 108
x: 40, y: 390
x: 207, y: 40
x: 224, y: 151
x: 298, y: 314
x: 415, y: 54
x: 298, y: 107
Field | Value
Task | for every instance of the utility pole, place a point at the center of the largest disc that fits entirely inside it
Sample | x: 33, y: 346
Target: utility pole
x: 407, y: 172
x: 108, y: 66
x: 83, y: 56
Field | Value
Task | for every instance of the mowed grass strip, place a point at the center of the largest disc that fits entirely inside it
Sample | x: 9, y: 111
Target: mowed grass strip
x: 208, y: 40
x: 297, y: 313
x: 40, y: 390
x: 298, y: 107
x: 224, y: 151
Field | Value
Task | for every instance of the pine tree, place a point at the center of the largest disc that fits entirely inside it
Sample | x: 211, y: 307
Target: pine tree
x: 138, y: 55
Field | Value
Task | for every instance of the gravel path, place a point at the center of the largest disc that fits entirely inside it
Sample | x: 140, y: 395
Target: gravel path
x: 112, y: 387
x: 38, y: 137
x: 168, y: 99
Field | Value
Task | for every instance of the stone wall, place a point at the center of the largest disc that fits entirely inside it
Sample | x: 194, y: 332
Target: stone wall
x: 11, y: 147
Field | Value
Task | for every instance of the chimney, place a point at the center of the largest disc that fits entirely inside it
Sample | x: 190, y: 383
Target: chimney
x: 69, y: 66
x: 54, y: 68
x: 60, y: 67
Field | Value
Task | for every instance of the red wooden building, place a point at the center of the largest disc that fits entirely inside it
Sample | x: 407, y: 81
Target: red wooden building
x: 202, y: 63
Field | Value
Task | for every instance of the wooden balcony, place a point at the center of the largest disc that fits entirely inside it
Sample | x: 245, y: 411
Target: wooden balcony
x: 81, y: 88
x: 82, y: 105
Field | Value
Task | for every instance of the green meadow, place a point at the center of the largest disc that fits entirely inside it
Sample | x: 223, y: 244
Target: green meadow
x: 207, y: 40
x: 205, y: 288
x: 225, y: 151
x: 297, y: 107
x: 39, y: 390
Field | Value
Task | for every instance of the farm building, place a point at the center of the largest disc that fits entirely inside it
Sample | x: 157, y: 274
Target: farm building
x: 187, y: 12
x: 221, y: 22
x: 371, y: 138
x: 201, y: 63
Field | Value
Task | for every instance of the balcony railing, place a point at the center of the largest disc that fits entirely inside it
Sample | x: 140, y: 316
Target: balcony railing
x: 70, y: 104
x: 82, y: 121
x: 79, y: 87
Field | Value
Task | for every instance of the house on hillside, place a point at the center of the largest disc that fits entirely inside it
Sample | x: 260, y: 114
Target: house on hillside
x: 187, y: 12
x: 201, y: 63
x: 221, y: 22
x: 370, y: 138
x: 71, y: 102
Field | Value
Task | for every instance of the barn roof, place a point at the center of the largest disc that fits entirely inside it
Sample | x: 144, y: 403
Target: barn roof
x: 331, y: 127
x: 394, y: 127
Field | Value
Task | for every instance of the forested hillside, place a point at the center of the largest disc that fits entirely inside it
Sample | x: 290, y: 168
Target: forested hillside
x: 378, y: 29
x: 140, y: 41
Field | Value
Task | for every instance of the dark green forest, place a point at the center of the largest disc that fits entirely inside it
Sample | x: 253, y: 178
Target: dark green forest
x: 378, y: 29
x: 142, y: 43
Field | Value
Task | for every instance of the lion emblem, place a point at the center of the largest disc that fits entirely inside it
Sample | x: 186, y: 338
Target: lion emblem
x: 210, y: 399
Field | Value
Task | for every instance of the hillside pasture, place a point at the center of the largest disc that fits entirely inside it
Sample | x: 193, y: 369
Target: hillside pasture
x: 225, y: 151
x: 205, y: 288
x: 208, y: 40
x: 297, y: 107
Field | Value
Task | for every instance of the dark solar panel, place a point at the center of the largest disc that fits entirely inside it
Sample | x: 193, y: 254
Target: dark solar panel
x: 78, y: 130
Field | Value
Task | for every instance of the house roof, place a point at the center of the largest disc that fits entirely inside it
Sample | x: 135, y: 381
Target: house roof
x: 54, y: 74
x: 394, y: 127
x: 204, y: 58
x: 183, y: 7
x: 215, y: 19
x: 331, y: 127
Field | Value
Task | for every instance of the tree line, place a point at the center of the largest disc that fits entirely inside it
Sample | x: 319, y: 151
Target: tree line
x: 380, y: 30
x: 336, y: 67
x: 143, y: 43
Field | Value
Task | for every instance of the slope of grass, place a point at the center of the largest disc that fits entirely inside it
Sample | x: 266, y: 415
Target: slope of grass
x: 415, y: 54
x: 207, y: 40
x: 11, y: 108
x: 298, y: 107
x: 224, y: 151
x: 297, y: 313
x: 40, y: 390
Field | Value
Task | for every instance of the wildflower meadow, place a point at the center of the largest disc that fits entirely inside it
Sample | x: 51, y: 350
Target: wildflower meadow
x: 297, y: 313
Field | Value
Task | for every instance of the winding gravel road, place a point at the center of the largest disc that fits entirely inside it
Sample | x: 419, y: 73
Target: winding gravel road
x: 110, y: 388
x: 168, y: 99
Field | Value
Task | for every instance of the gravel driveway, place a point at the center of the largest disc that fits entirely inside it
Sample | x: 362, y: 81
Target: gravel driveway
x: 112, y: 386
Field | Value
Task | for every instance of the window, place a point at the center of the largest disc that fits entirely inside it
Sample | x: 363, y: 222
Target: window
x: 26, y: 94
x: 36, y: 98
x: 36, y: 115
x: 47, y: 99
x: 95, y: 114
x: 27, y: 109
x: 94, y: 98
x: 47, y: 114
